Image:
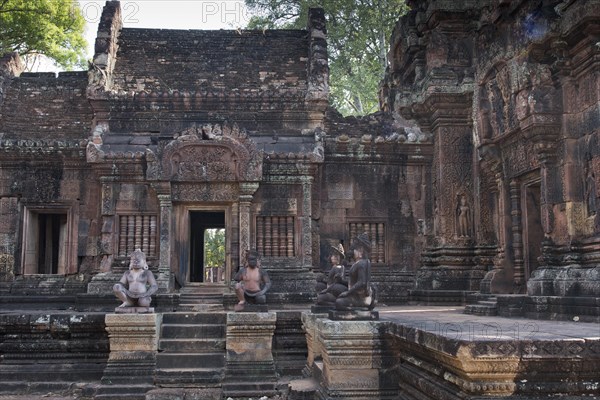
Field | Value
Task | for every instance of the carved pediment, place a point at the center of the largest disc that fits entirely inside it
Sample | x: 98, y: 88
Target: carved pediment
x: 210, y: 153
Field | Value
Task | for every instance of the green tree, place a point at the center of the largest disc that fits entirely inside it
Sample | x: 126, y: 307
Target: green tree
x: 214, y: 247
x: 51, y: 28
x: 358, y: 34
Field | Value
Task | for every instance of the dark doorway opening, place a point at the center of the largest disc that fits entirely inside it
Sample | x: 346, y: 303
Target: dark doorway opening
x: 533, y: 231
x: 207, y: 246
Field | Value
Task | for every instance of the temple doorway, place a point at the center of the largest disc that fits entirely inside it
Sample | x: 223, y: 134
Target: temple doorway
x: 533, y: 233
x: 207, y: 246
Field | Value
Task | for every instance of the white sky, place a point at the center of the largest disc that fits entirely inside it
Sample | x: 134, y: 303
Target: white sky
x: 169, y: 14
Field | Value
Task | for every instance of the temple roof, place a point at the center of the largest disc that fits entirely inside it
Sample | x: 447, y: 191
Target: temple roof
x: 43, y: 105
x: 217, y: 61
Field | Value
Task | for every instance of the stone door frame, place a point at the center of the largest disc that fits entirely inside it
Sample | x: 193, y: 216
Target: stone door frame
x: 182, y: 231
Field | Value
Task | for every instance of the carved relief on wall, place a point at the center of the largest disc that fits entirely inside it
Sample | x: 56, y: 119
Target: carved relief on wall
x: 464, y: 217
x: 199, y: 162
x: 498, y: 103
x: 7, y: 263
x: 519, y: 157
x: 211, y: 153
x: 208, y: 192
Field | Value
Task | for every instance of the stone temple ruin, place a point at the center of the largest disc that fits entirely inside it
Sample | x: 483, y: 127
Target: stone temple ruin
x: 478, y: 185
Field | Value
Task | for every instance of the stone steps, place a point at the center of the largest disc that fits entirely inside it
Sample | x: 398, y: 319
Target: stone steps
x: 191, y: 345
x: 125, y: 392
x: 201, y: 298
x: 485, y: 306
x: 180, y: 361
x: 191, y: 331
x: 191, y: 350
x: 302, y: 389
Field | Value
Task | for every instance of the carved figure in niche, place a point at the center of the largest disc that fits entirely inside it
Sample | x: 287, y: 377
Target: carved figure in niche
x: 485, y: 126
x: 253, y: 282
x: 590, y: 191
x: 138, y: 284
x: 360, y: 295
x: 463, y: 217
x: 336, y: 284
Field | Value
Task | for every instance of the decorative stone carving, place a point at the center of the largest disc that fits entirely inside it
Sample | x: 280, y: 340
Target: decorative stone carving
x: 211, y: 153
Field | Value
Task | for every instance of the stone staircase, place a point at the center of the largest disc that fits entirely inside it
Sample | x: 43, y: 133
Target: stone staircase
x: 191, y: 350
x: 482, y: 304
x: 200, y: 297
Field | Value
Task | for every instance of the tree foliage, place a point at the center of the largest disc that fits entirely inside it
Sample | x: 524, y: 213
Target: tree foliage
x: 358, y: 34
x: 214, y: 247
x: 51, y: 28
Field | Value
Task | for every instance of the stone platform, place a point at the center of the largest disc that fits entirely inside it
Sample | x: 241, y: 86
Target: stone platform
x: 432, y: 352
x: 411, y: 352
x: 441, y: 353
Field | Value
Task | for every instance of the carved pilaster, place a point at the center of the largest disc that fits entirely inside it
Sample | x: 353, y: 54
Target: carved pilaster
x: 164, y: 264
x: 305, y: 221
x: 247, y: 190
x: 517, y: 235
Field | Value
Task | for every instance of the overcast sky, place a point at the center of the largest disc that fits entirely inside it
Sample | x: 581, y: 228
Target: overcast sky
x: 169, y: 14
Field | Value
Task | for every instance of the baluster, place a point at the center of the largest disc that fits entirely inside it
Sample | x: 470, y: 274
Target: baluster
x: 290, y: 236
x: 260, y: 235
x: 373, y: 236
x: 146, y: 234
x: 130, y: 234
x: 268, y: 237
x: 123, y: 236
x: 138, y: 231
x: 275, y: 226
x: 282, y: 237
x: 381, y: 243
x: 152, y: 239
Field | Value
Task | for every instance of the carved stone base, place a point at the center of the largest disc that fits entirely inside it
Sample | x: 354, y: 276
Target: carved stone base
x: 254, y: 308
x: 356, y: 362
x: 567, y: 281
x: 132, y: 360
x: 449, y: 268
x: 354, y: 315
x: 309, y: 324
x: 321, y: 309
x: 134, y: 310
x: 497, y: 281
x: 103, y: 283
x: 250, y: 368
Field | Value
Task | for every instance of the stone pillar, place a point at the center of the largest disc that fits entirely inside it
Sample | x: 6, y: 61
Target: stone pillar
x: 247, y: 191
x: 356, y: 363
x: 250, y: 368
x: 166, y: 221
x: 133, y: 346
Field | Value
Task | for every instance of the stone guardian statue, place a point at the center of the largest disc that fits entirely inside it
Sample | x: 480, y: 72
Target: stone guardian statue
x: 138, y: 284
